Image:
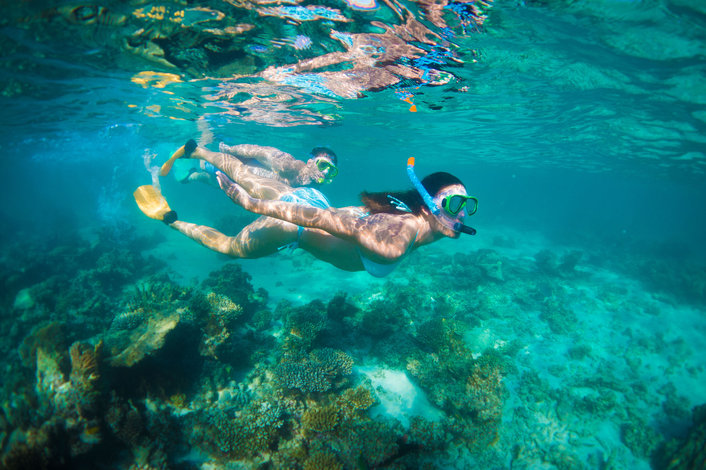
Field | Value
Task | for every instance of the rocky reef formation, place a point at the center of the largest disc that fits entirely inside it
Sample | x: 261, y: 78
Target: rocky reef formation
x: 688, y: 453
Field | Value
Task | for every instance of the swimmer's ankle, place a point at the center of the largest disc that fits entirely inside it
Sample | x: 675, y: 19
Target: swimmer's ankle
x: 189, y: 148
x: 169, y: 217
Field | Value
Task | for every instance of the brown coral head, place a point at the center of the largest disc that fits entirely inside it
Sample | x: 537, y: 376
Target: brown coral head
x: 84, y: 362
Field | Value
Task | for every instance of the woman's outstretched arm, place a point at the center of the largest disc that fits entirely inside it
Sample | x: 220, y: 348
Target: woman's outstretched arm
x: 387, y: 236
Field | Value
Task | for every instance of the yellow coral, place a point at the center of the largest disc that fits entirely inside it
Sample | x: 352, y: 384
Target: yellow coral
x: 223, y: 306
x: 322, y: 461
x: 356, y: 399
x: 320, y: 419
x: 146, y: 340
x: 485, y: 388
x: 178, y: 400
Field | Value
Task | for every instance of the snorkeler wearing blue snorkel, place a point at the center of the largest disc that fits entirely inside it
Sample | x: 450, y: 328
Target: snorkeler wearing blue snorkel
x: 452, y: 204
x: 374, y: 237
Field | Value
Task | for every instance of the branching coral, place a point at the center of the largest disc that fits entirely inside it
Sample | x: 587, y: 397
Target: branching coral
x: 39, y: 449
x: 304, y: 376
x: 354, y: 400
x: 381, y: 318
x: 427, y: 434
x: 471, y: 390
x: 314, y: 373
x: 484, y: 389
x: 442, y: 336
x: 242, y: 435
x: 222, y: 306
x: 333, y: 362
x: 128, y: 320
x: 339, y: 307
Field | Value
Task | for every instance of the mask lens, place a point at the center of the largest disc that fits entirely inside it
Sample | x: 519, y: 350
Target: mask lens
x: 324, y: 165
x: 471, y: 205
x: 454, y: 204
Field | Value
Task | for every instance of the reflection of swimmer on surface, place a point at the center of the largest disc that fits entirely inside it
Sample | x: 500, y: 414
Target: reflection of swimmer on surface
x: 409, y: 52
x: 265, y: 166
x: 374, y: 237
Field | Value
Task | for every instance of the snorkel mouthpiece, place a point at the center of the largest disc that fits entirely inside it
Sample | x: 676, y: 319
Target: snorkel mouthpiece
x: 459, y: 227
x: 429, y: 201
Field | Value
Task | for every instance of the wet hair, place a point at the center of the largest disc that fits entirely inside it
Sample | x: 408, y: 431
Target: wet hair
x: 324, y: 152
x: 379, y: 202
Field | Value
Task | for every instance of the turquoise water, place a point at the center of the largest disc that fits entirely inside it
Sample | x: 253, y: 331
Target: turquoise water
x: 568, y: 333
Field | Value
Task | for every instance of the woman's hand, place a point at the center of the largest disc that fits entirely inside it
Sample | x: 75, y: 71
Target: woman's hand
x: 310, y: 174
x: 234, y: 190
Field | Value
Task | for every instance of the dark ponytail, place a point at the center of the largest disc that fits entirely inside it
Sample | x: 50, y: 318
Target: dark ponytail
x: 381, y: 202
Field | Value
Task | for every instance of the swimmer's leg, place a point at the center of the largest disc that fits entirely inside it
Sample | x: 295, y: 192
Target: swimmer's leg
x: 261, y: 238
x: 257, y: 186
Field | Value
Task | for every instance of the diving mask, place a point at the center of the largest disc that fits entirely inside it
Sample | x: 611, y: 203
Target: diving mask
x: 455, y: 203
x: 328, y: 169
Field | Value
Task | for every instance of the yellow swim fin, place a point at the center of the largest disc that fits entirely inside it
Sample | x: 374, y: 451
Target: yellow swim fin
x: 182, y: 152
x: 153, y: 205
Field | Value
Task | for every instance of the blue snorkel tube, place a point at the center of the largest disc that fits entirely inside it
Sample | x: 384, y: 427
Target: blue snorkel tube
x: 429, y: 201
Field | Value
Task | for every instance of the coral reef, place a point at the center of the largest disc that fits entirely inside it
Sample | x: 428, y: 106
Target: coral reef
x: 688, y: 453
x: 561, y: 320
x: 234, y: 283
x: 148, y: 371
x: 548, y: 262
x: 469, y: 389
x: 302, y: 324
x: 381, y: 318
x: 639, y: 437
x: 490, y: 263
